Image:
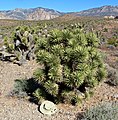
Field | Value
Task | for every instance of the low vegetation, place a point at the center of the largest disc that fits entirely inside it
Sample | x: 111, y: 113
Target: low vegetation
x: 104, y: 111
x: 23, y: 88
x: 112, y: 76
x: 113, y: 41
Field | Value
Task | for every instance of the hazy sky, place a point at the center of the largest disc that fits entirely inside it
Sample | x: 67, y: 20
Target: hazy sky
x: 60, y: 5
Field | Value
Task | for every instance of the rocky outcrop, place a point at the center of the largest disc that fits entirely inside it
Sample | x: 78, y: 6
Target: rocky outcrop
x: 3, y: 16
x: 42, y: 14
x: 30, y: 14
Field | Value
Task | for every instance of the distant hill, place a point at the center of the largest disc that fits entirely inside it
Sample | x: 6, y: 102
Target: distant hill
x: 30, y: 14
x: 100, y: 11
x: 47, y: 14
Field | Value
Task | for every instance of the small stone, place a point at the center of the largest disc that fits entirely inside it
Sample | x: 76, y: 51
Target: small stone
x: 115, y: 96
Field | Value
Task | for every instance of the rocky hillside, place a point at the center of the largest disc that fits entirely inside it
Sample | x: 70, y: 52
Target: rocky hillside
x: 30, y: 14
x: 100, y: 11
x: 47, y: 14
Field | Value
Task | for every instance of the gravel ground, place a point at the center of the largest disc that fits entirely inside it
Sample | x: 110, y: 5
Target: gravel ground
x: 19, y: 109
x: 15, y: 109
x: 23, y: 110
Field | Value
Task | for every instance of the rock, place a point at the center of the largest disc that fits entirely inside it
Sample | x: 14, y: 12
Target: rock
x: 112, y: 47
x: 115, y: 96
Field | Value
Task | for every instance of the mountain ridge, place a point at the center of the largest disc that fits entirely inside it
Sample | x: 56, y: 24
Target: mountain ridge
x: 105, y: 10
x: 38, y: 13
x: 41, y: 13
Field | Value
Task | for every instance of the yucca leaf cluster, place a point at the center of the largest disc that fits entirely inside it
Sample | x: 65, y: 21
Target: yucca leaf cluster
x: 71, y: 62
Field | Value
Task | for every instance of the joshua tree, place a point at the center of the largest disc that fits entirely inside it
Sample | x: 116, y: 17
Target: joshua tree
x: 72, y: 65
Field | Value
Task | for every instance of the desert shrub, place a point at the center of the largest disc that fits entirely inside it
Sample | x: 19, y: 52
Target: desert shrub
x: 114, y: 79
x: 20, y: 88
x: 21, y: 43
x: 113, y: 41
x: 23, y: 88
x: 105, y: 30
x: 104, y: 111
x: 71, y: 65
x: 112, y: 76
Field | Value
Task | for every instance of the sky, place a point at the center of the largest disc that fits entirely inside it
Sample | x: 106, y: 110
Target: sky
x: 60, y: 5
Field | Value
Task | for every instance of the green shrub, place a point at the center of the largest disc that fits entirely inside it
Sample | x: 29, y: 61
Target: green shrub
x: 71, y: 63
x: 104, y: 111
x: 23, y: 88
x: 20, y: 88
x: 113, y: 41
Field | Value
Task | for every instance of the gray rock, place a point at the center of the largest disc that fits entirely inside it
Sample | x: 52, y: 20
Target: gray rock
x: 111, y: 47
